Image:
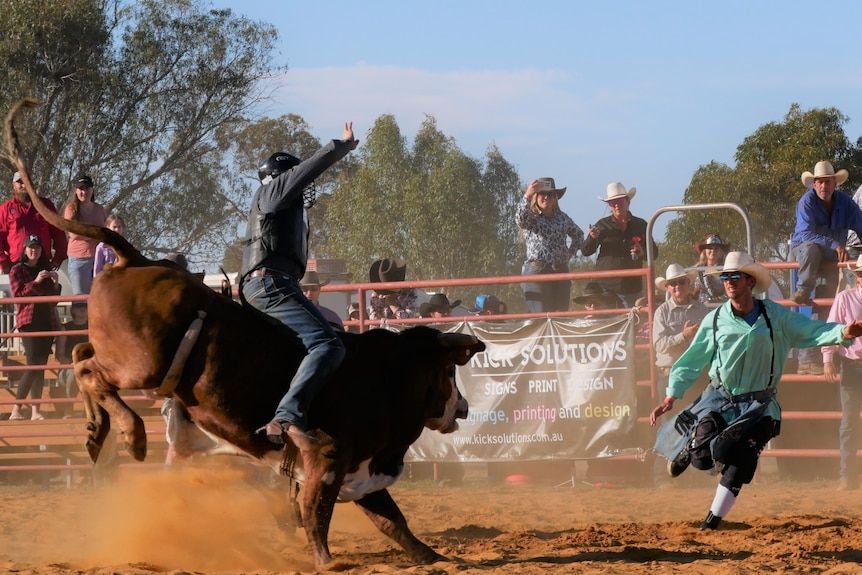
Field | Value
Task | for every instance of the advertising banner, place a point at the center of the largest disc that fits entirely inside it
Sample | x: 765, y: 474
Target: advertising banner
x: 543, y: 389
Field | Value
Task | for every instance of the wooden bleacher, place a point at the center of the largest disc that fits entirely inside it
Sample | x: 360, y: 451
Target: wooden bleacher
x: 54, y: 447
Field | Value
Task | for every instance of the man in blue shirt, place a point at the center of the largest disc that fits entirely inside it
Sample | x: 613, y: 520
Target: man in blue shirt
x: 824, y: 215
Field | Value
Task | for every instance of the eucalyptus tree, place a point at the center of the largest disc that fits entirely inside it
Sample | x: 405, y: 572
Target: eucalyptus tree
x: 134, y: 93
x: 366, y: 215
x: 766, y: 182
x: 448, y: 214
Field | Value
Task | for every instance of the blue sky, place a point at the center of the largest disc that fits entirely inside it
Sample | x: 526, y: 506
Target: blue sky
x: 642, y: 92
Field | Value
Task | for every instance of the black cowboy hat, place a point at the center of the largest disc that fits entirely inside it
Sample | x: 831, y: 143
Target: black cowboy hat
x: 595, y: 291
x: 387, y: 270
x: 311, y: 279
x: 489, y: 304
x: 438, y: 302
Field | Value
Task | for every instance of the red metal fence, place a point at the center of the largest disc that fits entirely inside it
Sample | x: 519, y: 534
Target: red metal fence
x: 801, y: 412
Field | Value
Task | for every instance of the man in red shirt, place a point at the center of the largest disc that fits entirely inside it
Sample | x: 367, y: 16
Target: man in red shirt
x: 19, y: 219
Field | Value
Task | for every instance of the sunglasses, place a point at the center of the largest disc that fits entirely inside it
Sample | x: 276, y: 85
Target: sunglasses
x: 733, y: 277
x: 677, y: 282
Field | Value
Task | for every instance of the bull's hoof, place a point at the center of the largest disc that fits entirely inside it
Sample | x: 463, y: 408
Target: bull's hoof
x: 139, y: 453
x: 428, y: 556
x: 431, y: 559
x: 93, y: 450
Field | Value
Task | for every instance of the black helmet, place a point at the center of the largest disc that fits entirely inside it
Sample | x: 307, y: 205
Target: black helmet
x: 276, y: 164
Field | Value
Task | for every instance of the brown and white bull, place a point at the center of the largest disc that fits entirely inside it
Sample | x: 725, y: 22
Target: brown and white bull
x: 229, y: 378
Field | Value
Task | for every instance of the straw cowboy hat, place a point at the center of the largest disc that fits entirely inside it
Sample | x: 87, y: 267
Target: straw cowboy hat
x: 311, y: 279
x: 674, y: 271
x: 712, y: 240
x: 547, y: 185
x: 858, y: 267
x: 353, y: 308
x: 824, y: 169
x: 618, y: 190
x: 742, y: 262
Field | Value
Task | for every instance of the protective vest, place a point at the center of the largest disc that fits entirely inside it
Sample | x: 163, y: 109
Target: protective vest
x: 278, y: 240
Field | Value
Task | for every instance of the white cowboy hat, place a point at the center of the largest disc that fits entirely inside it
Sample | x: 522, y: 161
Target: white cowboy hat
x: 548, y: 185
x: 742, y: 262
x: 617, y: 190
x: 858, y: 267
x: 824, y: 169
x: 673, y: 271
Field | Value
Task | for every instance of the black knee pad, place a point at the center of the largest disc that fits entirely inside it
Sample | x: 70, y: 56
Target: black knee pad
x: 740, y: 466
x: 708, y: 427
x: 742, y: 457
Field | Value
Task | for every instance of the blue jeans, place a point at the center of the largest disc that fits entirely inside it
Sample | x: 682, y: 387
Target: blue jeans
x: 851, y: 403
x: 282, y: 299
x: 81, y: 274
x: 545, y: 296
x: 816, y: 260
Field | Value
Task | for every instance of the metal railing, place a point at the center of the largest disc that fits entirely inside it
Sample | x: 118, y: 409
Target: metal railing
x: 364, y: 323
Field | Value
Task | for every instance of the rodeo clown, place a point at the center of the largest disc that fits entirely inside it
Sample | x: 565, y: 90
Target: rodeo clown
x: 746, y: 342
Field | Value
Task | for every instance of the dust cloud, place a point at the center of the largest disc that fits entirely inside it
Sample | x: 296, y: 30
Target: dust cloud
x: 195, y: 518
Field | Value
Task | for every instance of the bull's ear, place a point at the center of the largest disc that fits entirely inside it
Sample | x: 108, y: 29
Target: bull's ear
x: 464, y: 346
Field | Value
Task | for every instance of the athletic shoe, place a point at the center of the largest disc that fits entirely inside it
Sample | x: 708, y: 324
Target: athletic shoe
x: 710, y: 523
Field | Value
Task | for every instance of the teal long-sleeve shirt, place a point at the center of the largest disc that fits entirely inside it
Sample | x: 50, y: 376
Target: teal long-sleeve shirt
x: 744, y: 351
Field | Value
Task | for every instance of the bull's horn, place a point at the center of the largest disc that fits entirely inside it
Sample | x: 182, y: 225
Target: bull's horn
x: 457, y: 340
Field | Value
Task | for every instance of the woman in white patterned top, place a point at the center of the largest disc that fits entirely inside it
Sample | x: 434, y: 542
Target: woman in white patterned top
x: 546, y: 231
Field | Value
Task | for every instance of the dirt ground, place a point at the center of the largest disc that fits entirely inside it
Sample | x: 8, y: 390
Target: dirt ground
x: 208, y: 520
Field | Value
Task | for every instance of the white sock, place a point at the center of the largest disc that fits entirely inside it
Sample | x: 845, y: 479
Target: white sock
x: 723, y: 501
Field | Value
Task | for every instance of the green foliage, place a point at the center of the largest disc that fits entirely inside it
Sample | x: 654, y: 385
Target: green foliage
x: 137, y: 94
x: 765, y: 182
x: 366, y: 214
x: 447, y: 214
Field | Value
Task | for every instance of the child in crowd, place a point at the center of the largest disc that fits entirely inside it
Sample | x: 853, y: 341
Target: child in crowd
x: 104, y: 254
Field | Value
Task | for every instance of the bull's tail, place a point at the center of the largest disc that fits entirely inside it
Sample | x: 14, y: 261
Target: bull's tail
x: 127, y: 254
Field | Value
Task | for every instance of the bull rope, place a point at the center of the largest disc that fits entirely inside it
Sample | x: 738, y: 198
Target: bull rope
x: 172, y: 378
